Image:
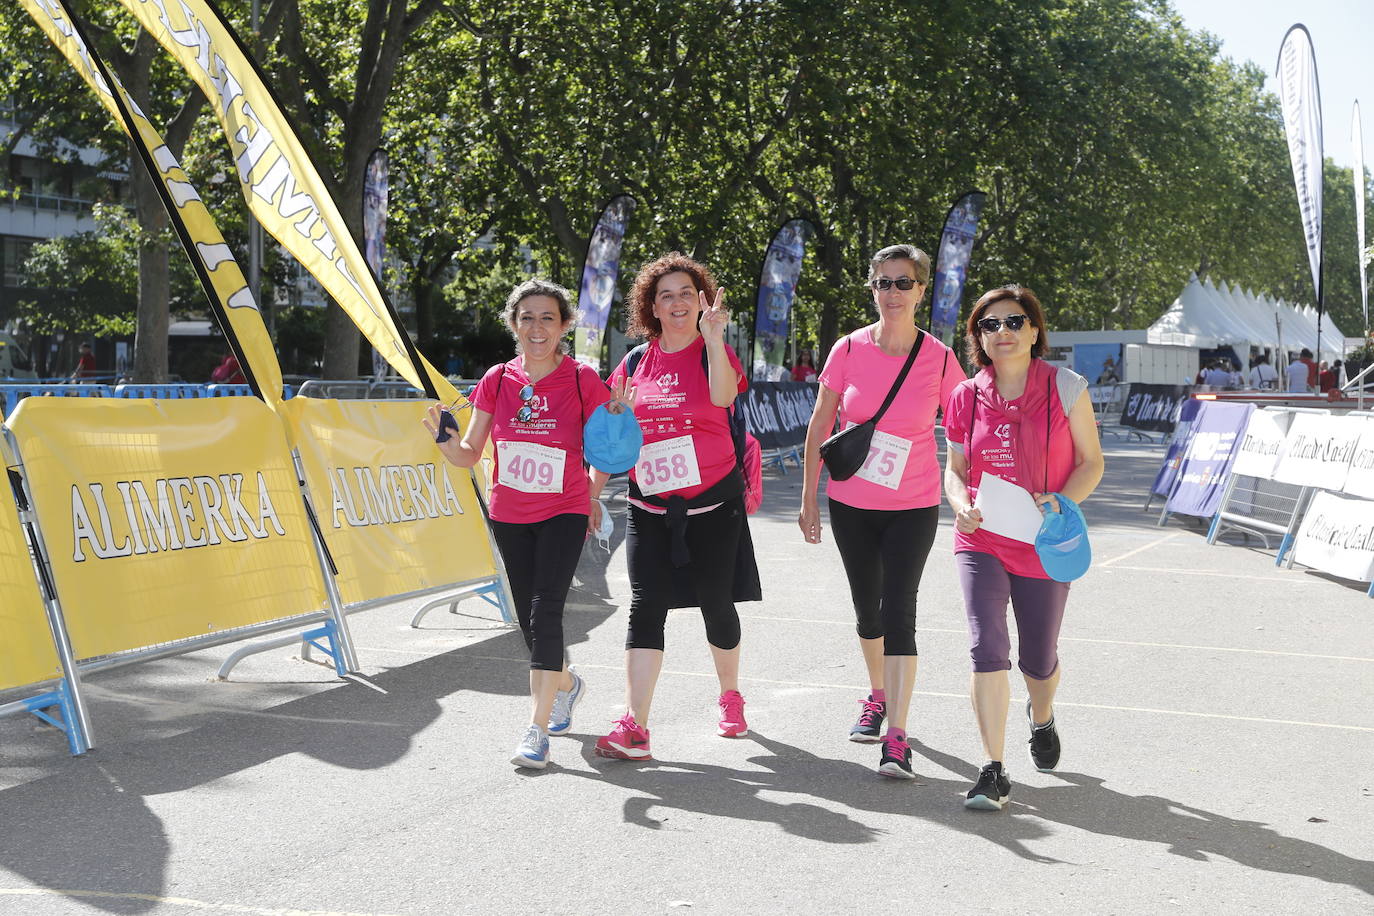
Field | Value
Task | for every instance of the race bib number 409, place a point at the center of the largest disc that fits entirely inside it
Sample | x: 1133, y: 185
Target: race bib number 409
x: 667, y: 465
x: 886, y: 462
x: 530, y: 467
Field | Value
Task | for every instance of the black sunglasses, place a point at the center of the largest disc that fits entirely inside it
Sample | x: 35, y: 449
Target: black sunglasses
x: 993, y: 325
x: 527, y: 413
x: 902, y: 283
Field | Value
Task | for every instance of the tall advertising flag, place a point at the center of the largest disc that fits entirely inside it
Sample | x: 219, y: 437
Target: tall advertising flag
x: 951, y: 264
x: 600, y: 272
x: 782, y: 264
x: 1357, y: 138
x: 376, y: 188
x: 283, y: 189
x: 1300, y: 97
x: 214, y: 263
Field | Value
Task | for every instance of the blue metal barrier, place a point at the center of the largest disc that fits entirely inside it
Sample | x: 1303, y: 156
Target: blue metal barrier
x: 163, y: 392
x: 13, y: 394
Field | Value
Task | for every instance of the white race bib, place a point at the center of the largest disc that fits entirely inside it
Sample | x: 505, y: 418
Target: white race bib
x: 530, y: 467
x: 667, y: 465
x: 886, y: 462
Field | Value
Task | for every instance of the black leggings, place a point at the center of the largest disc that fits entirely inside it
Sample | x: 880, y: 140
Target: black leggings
x: 540, y: 559
x: 884, y: 554
x: 713, y: 540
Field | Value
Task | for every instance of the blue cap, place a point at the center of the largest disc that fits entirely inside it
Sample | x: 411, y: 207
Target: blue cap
x: 1062, y: 542
x: 611, y: 441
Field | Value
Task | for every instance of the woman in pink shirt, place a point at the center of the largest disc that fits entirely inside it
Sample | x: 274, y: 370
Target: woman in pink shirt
x: 1031, y: 425
x: 687, y: 530
x: 884, y: 516
x: 533, y: 408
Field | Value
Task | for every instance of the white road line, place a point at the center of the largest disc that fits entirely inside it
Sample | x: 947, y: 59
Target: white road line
x: 1149, y: 546
x: 1291, y: 580
x: 963, y: 697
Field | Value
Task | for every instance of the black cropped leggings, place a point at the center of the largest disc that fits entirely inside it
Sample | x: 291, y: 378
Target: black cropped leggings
x: 540, y: 559
x: 713, y: 540
x: 884, y: 554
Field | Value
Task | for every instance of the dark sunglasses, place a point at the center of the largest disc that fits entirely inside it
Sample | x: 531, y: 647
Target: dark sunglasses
x: 902, y: 283
x: 993, y: 325
x: 527, y: 413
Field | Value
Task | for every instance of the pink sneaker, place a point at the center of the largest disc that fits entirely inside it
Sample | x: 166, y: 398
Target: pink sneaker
x: 627, y: 741
x: 732, y: 724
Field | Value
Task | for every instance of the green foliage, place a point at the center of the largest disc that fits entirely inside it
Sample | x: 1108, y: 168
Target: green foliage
x: 93, y: 276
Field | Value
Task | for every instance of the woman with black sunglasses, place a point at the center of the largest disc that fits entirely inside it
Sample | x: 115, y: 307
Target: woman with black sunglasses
x: 884, y: 516
x: 1031, y: 425
x: 543, y: 502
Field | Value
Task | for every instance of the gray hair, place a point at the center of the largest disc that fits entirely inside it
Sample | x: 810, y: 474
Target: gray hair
x: 902, y: 253
x: 537, y: 287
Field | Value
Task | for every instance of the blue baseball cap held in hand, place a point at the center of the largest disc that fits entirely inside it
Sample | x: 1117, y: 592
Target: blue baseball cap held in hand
x: 1062, y: 542
x: 611, y: 441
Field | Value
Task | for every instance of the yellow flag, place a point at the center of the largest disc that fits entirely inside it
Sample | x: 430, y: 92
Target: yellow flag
x: 280, y: 184
x: 219, y: 273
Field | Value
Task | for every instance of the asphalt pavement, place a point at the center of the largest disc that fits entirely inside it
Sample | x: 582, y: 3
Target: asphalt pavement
x: 1215, y: 712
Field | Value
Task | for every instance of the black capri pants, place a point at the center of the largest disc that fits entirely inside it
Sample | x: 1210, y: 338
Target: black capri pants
x: 884, y: 554
x: 540, y: 559
x: 713, y: 541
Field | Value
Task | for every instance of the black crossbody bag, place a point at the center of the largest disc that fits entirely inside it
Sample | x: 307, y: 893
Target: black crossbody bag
x: 846, y: 451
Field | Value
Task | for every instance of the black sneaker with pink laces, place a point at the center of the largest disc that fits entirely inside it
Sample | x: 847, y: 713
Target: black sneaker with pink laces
x: 869, y: 728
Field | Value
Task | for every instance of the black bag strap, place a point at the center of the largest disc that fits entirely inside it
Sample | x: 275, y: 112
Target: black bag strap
x: 901, y: 377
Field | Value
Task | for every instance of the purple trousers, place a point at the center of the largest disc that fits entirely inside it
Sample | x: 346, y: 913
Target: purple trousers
x: 1037, y: 603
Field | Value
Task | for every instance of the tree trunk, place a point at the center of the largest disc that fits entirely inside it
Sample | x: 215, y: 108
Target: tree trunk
x: 154, y: 286
x: 832, y: 264
x: 342, y: 341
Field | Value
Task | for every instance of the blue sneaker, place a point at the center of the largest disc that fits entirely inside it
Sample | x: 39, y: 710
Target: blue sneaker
x: 533, y: 750
x: 564, y: 701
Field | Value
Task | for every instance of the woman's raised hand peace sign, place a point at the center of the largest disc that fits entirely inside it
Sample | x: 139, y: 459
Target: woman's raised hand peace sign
x: 622, y: 397
x: 714, y: 317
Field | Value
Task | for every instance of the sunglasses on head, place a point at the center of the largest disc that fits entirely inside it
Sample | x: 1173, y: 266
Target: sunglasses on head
x: 902, y: 283
x: 993, y: 325
x: 527, y: 413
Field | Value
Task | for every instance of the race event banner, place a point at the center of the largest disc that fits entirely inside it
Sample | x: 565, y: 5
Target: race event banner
x: 777, y: 413
x: 1360, y: 480
x: 1262, y: 445
x: 1337, y: 537
x: 1211, y: 449
x: 26, y: 647
x: 1178, y: 447
x: 1318, y: 450
x: 396, y: 516
x: 600, y: 274
x: 1154, y: 408
x: 782, y: 265
x: 149, y: 507
x: 282, y: 189
x: 1300, y: 99
x: 1357, y: 140
x: 219, y: 273
x: 951, y: 266
x: 376, y: 190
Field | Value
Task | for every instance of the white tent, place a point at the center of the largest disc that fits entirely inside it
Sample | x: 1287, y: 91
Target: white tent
x: 1191, y: 321
x: 1248, y: 330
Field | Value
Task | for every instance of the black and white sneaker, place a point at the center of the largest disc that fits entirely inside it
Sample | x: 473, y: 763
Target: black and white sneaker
x: 896, y: 760
x: 1044, y: 743
x: 869, y: 728
x: 991, y: 791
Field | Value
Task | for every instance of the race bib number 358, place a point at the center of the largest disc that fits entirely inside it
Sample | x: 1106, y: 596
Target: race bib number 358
x: 667, y: 465
x: 530, y: 467
x: 886, y: 462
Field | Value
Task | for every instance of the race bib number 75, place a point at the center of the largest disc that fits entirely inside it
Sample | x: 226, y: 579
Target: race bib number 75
x: 886, y: 462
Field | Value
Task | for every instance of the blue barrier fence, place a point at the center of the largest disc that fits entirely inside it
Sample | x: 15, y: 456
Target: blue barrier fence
x: 13, y: 394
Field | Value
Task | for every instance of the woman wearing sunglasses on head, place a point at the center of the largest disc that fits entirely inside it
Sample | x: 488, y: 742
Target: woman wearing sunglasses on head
x: 687, y: 542
x: 543, y: 503
x: 1032, y: 425
x: 885, y: 515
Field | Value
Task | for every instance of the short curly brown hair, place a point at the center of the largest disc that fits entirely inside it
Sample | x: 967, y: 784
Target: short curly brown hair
x: 639, y: 305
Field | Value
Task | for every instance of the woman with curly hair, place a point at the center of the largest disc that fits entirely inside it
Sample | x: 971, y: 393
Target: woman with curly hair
x: 687, y: 528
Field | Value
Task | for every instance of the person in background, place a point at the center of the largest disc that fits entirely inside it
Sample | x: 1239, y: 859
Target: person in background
x: 1233, y: 377
x: 1326, y: 377
x: 1215, y: 375
x: 1298, y: 376
x: 1264, y: 375
x: 805, y: 369
x: 1108, y: 374
x: 1312, y: 371
x: 85, y: 364
x: 228, y: 372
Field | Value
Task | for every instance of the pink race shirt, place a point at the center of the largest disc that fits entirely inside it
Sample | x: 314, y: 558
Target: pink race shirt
x: 539, y: 471
x: 687, y: 445
x: 902, y: 471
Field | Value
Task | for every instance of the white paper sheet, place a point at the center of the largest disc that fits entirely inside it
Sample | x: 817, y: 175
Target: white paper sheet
x: 1007, y: 509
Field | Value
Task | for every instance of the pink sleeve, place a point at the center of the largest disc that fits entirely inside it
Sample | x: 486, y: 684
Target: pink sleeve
x: 832, y: 373
x: 956, y: 413
x: 594, y: 391
x: 738, y: 367
x: 617, y: 373
x: 484, y: 396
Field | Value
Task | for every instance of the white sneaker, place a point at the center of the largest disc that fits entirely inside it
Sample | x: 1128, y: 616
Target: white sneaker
x: 564, y: 701
x: 533, y: 749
